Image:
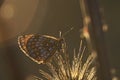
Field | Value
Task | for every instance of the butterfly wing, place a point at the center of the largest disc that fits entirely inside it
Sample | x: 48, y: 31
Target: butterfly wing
x: 22, y: 41
x: 39, y: 48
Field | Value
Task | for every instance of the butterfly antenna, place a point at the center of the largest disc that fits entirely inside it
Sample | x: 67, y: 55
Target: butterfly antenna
x: 60, y: 34
x: 67, y: 32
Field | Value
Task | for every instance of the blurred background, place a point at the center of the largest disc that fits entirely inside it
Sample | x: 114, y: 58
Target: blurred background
x: 48, y: 17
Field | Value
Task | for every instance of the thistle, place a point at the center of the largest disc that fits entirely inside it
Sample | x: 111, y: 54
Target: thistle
x: 66, y: 67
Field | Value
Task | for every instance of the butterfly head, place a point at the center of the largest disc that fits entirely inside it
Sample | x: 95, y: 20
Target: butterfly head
x: 60, y: 44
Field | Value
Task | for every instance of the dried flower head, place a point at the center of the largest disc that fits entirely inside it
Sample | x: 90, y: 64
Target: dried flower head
x: 66, y: 67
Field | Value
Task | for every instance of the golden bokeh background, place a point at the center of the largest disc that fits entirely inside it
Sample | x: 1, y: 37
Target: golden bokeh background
x: 18, y: 17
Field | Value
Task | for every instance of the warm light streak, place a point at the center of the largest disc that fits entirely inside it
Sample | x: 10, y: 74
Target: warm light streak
x: 7, y: 11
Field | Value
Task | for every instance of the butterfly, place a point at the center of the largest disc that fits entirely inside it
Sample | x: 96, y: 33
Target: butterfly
x: 40, y: 48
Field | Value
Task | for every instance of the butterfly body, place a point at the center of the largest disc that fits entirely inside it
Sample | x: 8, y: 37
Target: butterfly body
x: 40, y: 48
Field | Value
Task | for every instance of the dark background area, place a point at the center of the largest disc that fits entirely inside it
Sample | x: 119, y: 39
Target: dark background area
x: 50, y: 17
x: 112, y: 11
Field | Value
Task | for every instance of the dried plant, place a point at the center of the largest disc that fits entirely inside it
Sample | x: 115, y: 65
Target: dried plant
x: 66, y: 67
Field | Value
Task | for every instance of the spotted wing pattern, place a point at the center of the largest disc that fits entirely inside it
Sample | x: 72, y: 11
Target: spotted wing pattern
x: 39, y: 48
